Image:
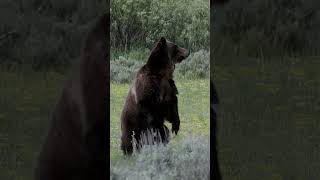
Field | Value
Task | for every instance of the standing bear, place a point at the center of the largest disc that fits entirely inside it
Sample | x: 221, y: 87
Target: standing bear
x: 76, y: 145
x: 152, y: 98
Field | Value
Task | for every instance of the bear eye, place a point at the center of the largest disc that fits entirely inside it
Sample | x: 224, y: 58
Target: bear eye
x: 175, y: 49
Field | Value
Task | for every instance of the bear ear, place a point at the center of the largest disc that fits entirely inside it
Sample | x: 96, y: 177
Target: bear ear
x: 162, y: 42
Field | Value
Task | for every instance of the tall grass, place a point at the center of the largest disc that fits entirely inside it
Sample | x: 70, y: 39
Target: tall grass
x: 268, y: 117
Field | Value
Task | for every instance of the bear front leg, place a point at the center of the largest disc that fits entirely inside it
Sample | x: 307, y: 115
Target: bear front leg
x: 165, y: 136
x: 175, y: 121
x: 173, y: 115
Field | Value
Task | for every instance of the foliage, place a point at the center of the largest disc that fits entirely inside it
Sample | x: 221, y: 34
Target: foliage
x: 140, y: 23
x: 197, y: 65
x: 267, y: 27
x: 123, y: 70
x: 185, y: 160
x: 124, y: 67
x: 45, y: 34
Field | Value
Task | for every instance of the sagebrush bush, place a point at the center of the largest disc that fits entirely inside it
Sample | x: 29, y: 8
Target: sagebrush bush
x: 197, y: 65
x: 188, y: 159
x: 139, y: 54
x: 124, y: 68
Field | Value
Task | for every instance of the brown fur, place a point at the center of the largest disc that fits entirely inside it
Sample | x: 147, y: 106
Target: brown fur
x: 76, y: 144
x: 215, y: 173
x: 152, y: 97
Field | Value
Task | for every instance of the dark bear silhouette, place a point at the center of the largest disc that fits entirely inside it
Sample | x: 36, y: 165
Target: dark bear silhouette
x: 215, y: 170
x: 76, y: 145
x: 218, y: 1
x: 152, y: 97
x: 215, y: 173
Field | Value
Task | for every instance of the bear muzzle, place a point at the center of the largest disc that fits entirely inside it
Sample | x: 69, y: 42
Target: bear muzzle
x: 183, y: 54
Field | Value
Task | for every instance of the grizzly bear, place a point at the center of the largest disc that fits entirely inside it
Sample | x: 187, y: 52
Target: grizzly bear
x: 76, y: 145
x: 152, y: 98
x: 215, y: 173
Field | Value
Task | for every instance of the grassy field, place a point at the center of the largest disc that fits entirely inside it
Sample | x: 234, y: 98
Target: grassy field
x: 26, y: 103
x: 26, y: 106
x: 193, y: 108
x: 269, y: 126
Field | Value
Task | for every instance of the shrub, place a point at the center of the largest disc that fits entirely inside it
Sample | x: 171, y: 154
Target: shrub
x: 271, y: 27
x: 139, y: 23
x: 124, y: 68
x: 45, y: 34
x: 197, y: 65
x: 188, y: 159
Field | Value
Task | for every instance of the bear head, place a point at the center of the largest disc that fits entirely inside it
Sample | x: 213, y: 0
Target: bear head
x: 166, y: 54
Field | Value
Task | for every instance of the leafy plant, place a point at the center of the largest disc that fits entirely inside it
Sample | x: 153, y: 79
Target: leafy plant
x: 140, y: 23
x: 187, y: 159
x: 123, y: 68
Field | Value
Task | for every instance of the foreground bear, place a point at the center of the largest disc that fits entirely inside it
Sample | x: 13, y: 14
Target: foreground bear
x: 76, y: 144
x: 215, y: 173
x: 153, y: 96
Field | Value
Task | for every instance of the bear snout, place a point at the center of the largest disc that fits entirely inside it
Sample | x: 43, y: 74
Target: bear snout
x: 184, y: 53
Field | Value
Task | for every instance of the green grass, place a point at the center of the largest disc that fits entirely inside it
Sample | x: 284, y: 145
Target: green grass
x: 26, y: 103
x: 268, y: 118
x: 193, y: 109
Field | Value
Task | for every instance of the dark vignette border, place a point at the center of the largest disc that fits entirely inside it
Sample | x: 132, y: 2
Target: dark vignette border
x: 215, y: 172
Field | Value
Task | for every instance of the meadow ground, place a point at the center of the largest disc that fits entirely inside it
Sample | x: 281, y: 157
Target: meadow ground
x: 268, y: 117
x: 26, y: 103
x: 269, y: 126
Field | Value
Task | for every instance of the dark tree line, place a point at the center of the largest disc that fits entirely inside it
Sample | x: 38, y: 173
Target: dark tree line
x: 268, y: 27
x: 140, y: 23
x: 44, y: 34
x: 49, y: 34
